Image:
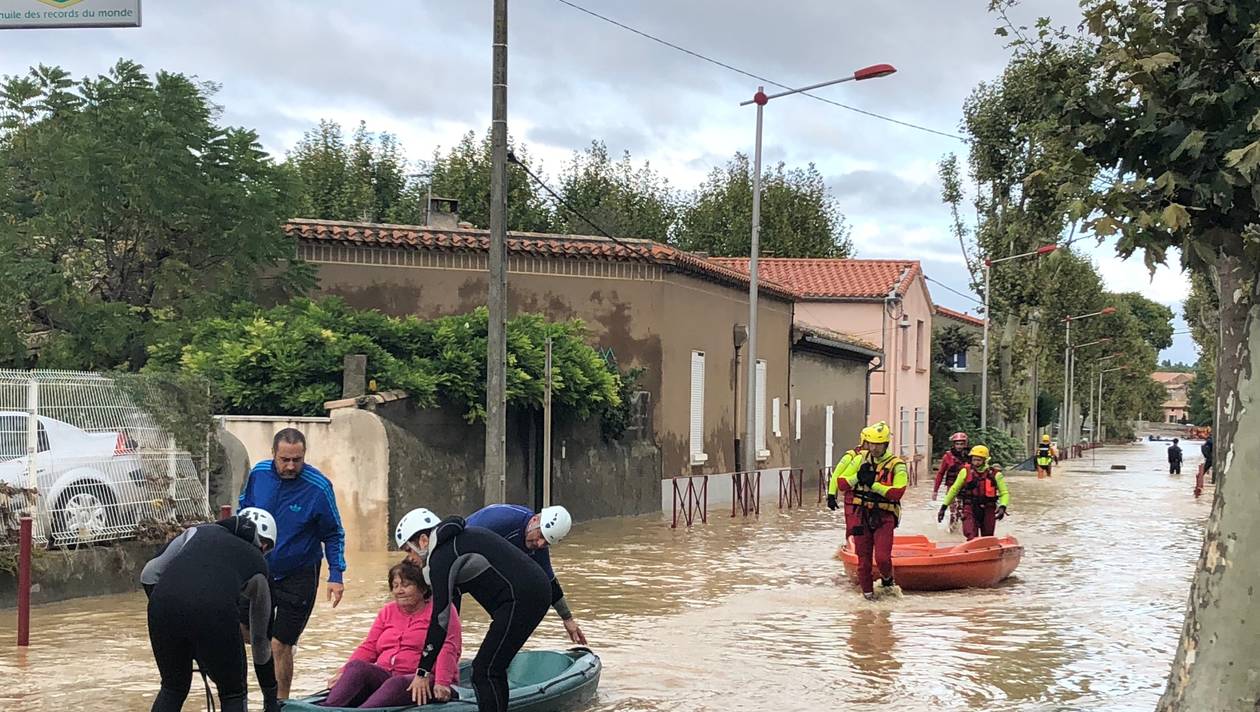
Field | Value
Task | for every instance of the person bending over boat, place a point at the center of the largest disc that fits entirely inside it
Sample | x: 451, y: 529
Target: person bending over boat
x: 877, y: 480
x: 459, y: 559
x: 534, y: 534
x: 982, y: 488
x: 194, y: 585
x: 381, y: 668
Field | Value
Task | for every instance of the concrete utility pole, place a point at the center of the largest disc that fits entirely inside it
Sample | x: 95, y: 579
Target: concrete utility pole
x: 495, y: 476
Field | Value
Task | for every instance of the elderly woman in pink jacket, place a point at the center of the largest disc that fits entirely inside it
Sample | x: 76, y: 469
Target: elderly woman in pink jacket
x: 381, y: 668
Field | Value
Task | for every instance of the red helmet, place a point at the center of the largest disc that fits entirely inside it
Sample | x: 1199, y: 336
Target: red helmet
x: 958, y: 437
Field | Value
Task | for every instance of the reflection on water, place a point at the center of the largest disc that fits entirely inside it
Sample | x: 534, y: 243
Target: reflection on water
x: 752, y: 615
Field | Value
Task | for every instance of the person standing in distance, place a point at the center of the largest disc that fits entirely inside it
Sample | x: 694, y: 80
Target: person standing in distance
x: 302, y: 500
x: 534, y: 534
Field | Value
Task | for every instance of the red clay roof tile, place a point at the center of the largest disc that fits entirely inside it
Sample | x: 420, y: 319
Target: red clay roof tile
x: 828, y: 278
x: 959, y: 316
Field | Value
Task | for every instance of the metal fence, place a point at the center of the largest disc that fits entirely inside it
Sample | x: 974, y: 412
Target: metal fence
x: 83, y: 455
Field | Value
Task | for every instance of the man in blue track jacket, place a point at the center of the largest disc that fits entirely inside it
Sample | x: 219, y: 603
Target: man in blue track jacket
x: 301, y: 499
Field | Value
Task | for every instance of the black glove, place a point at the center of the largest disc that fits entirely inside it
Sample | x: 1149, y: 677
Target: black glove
x: 866, y: 476
x: 940, y: 515
x: 1001, y: 513
x: 831, y: 502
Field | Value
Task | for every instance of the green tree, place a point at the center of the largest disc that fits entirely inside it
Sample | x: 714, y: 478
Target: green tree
x: 799, y: 215
x: 364, y: 181
x: 623, y: 200
x: 1168, y: 107
x: 1202, y: 396
x: 126, y: 207
x: 947, y: 341
x: 463, y: 173
x: 1154, y: 319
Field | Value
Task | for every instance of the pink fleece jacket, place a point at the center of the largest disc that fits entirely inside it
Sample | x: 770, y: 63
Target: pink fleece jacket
x: 395, y: 640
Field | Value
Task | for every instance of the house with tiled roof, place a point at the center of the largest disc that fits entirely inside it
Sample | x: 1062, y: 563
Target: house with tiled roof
x: 964, y: 366
x: 1177, y: 387
x: 678, y: 316
x: 885, y: 302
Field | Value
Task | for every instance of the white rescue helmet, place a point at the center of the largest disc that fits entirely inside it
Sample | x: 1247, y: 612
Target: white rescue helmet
x: 412, y: 523
x: 555, y: 523
x: 264, y: 523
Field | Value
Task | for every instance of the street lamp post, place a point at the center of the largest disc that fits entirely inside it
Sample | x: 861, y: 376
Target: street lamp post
x: 1091, y: 378
x: 984, y: 355
x: 1066, y: 408
x: 1093, y: 409
x: 1100, y: 391
x: 1095, y: 413
x: 761, y: 99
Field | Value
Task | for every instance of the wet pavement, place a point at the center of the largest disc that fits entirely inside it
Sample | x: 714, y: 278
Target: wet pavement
x: 754, y: 614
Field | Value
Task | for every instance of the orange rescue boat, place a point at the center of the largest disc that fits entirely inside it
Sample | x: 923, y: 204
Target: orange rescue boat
x: 922, y: 565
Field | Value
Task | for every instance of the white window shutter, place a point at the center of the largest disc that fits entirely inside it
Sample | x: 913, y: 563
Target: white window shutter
x: 828, y: 438
x: 797, y: 420
x: 697, y: 409
x: 761, y: 410
x: 774, y: 418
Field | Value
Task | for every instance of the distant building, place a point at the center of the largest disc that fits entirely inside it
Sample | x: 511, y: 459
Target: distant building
x: 965, y: 365
x: 885, y: 302
x: 1177, y: 385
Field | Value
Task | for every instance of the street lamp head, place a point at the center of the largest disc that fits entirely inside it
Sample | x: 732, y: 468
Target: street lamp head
x: 1108, y: 311
x: 874, y: 71
x: 760, y: 98
x: 1047, y: 249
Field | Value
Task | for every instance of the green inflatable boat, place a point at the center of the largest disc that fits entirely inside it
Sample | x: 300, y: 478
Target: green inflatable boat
x: 541, y: 681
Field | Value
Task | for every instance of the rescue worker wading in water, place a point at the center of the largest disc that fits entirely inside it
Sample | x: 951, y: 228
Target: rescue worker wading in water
x: 1045, y: 458
x: 876, y: 481
x: 982, y: 489
x: 951, y: 464
x: 833, y: 486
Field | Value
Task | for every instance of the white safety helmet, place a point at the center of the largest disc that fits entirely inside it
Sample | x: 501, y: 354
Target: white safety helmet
x: 263, y: 522
x: 412, y: 523
x: 555, y: 523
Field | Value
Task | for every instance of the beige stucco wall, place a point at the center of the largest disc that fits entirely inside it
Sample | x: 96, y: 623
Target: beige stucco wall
x: 350, y: 448
x: 905, y: 380
x: 643, y: 315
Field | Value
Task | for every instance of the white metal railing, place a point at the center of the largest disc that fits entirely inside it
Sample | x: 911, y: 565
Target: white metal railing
x: 88, y: 461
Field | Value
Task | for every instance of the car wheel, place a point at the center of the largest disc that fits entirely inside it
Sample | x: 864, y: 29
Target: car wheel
x: 84, y: 513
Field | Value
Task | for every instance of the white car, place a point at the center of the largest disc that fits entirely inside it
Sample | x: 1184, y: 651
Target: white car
x: 91, y: 485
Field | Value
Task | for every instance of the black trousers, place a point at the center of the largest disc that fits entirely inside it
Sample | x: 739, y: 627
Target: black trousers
x: 511, y: 625
x: 180, y: 634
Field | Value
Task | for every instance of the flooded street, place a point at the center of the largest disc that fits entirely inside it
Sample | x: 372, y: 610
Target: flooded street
x: 751, y: 615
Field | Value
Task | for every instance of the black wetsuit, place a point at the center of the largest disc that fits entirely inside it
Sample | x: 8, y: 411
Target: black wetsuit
x: 1174, y: 460
x: 193, y: 586
x: 507, y: 583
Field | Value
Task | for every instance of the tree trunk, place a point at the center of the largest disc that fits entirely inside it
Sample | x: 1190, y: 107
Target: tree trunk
x: 1217, y: 666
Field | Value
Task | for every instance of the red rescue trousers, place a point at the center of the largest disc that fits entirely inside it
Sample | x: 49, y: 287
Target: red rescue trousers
x: 979, y: 519
x: 874, y: 542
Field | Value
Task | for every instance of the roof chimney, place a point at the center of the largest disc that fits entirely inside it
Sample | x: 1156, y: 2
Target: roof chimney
x: 443, y: 213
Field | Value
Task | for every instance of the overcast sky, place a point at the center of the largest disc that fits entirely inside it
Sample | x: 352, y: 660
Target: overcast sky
x: 421, y: 69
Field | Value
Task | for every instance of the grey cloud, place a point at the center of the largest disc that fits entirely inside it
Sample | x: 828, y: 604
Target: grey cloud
x: 883, y: 193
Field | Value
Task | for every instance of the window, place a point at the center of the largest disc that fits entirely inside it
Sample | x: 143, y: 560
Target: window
x: 904, y: 433
x: 13, y: 437
x: 920, y: 346
x: 904, y: 355
x: 640, y: 412
x: 797, y: 419
x: 774, y: 418
x: 958, y: 361
x: 760, y: 430
x: 920, y: 431
x: 697, y: 409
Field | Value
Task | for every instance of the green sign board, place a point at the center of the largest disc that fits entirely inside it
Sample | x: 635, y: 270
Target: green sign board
x: 36, y: 14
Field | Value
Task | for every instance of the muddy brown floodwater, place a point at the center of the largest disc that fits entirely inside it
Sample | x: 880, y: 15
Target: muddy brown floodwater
x: 751, y: 615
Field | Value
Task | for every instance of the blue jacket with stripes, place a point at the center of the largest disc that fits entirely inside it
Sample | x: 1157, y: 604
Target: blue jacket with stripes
x: 306, y: 515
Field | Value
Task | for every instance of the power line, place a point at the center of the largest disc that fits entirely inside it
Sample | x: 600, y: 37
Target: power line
x: 751, y: 75
x: 646, y: 254
x: 955, y: 291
